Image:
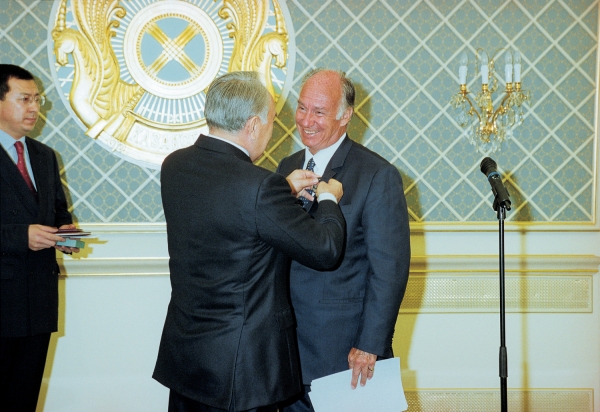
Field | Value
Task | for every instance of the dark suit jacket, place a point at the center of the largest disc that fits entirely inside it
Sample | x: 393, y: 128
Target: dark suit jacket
x: 229, y: 329
x: 29, y: 280
x: 357, y: 304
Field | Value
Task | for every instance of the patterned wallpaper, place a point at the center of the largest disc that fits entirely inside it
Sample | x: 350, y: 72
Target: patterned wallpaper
x: 403, y: 57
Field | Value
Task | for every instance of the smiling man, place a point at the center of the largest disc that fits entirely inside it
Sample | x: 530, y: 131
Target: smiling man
x: 33, y: 206
x: 346, y: 318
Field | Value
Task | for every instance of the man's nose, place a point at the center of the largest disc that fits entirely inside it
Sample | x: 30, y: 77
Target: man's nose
x: 33, y: 105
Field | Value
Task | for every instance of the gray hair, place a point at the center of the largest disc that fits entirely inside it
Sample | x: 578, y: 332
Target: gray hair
x: 235, y: 97
x: 348, y: 91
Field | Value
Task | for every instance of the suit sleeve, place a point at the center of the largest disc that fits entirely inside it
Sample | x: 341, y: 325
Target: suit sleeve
x: 282, y: 223
x: 62, y: 214
x: 387, y: 236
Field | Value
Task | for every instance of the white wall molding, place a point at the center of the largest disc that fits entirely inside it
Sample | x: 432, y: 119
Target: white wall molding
x: 124, y: 228
x: 509, y: 226
x: 439, y: 284
x: 513, y: 263
x: 470, y: 283
x: 458, y: 293
x: 477, y: 400
x: 114, y: 266
x: 520, y: 227
x: 474, y: 265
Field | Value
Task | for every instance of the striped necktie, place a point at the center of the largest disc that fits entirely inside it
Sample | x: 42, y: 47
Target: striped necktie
x: 310, y: 167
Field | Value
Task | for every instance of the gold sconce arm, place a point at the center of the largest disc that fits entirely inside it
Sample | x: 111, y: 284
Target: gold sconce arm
x: 472, y: 109
x: 501, y: 109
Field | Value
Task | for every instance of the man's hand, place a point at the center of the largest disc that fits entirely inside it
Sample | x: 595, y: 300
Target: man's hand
x: 362, y: 363
x: 65, y: 249
x: 300, y: 180
x: 333, y: 186
x: 42, y: 237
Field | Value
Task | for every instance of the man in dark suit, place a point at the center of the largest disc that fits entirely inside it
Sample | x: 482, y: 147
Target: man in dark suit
x: 346, y: 317
x: 33, y: 205
x: 228, y: 342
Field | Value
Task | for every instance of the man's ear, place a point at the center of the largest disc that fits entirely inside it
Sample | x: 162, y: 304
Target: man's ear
x: 347, y: 116
x: 251, y: 127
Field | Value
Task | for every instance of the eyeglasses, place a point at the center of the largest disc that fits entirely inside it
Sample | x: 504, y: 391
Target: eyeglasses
x: 27, y: 100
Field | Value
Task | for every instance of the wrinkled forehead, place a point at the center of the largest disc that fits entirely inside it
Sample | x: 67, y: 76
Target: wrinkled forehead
x: 319, y: 98
x: 323, y: 90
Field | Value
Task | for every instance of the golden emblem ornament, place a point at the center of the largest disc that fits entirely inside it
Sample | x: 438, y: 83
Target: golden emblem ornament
x: 134, y: 73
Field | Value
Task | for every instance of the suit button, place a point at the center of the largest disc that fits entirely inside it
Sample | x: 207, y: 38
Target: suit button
x: 15, y: 212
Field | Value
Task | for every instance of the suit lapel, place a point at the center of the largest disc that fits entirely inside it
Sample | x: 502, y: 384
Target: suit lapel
x: 335, y: 165
x: 337, y: 160
x: 298, y: 161
x: 42, y: 169
x: 13, y: 177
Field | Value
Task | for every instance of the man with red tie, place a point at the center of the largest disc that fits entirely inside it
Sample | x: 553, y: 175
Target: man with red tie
x: 32, y: 208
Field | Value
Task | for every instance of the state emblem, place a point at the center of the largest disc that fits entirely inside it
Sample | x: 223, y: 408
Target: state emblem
x: 133, y: 73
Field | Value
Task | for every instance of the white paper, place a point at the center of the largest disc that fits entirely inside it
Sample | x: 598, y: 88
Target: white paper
x: 383, y: 393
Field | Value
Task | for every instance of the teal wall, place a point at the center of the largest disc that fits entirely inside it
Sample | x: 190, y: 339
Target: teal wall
x: 403, y: 57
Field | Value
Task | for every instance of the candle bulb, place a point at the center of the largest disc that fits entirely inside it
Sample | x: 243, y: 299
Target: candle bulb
x: 517, y: 66
x: 484, y: 68
x: 462, y: 70
x: 508, y: 67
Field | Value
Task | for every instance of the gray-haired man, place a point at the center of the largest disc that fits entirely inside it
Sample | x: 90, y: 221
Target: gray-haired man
x: 228, y: 343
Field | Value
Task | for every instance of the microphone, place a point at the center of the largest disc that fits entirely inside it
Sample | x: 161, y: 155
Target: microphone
x: 488, y: 168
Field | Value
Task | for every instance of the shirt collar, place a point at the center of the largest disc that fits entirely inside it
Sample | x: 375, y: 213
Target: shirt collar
x: 323, y: 156
x: 7, y: 141
x: 230, y: 142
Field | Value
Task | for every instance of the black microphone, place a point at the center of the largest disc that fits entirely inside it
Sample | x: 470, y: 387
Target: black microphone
x: 488, y: 168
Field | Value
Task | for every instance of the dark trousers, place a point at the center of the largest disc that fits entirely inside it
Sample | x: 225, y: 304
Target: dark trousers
x: 299, y: 403
x: 22, y: 362
x: 179, y: 403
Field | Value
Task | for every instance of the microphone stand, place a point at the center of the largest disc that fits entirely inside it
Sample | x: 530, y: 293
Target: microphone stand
x: 501, y: 213
x: 501, y: 205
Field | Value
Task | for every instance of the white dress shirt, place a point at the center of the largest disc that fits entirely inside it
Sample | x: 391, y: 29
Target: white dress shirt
x: 321, y: 159
x: 8, y: 143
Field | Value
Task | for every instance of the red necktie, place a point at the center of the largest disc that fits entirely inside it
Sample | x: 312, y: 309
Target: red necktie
x: 22, y: 167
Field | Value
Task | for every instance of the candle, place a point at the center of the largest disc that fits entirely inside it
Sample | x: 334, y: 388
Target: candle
x: 462, y: 70
x: 517, y: 66
x: 484, y: 68
x: 508, y: 67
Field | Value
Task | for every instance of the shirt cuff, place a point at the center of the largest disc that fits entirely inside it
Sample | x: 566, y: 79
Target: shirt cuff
x: 326, y: 196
